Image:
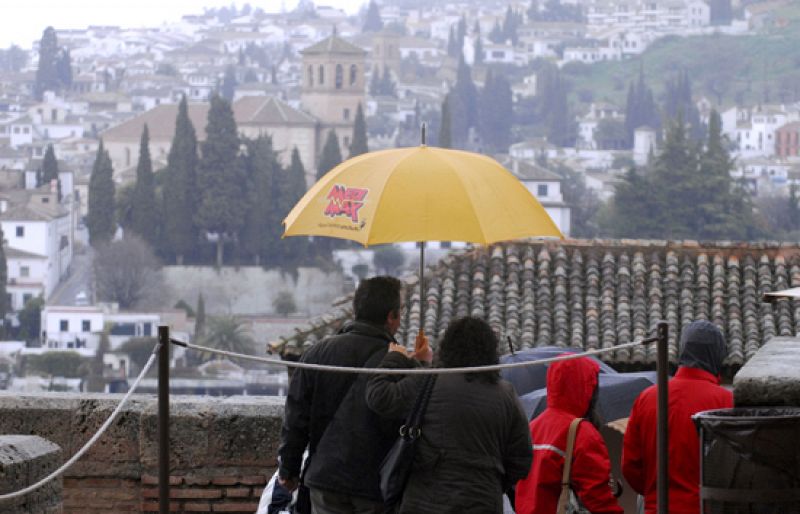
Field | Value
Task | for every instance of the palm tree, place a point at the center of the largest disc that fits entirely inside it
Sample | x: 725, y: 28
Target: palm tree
x: 228, y: 333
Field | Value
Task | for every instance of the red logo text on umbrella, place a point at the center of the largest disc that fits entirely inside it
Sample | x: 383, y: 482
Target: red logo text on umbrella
x: 345, y: 201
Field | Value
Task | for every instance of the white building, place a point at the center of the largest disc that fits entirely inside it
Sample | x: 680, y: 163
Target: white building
x: 81, y: 327
x: 546, y: 187
x: 39, y: 227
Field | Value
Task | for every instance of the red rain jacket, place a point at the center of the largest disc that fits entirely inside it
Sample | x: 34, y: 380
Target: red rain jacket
x: 570, y: 385
x: 691, y: 390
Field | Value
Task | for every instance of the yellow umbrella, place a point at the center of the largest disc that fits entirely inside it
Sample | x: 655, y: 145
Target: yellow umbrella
x: 420, y: 194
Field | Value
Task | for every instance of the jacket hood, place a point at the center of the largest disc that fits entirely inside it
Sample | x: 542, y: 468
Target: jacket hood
x: 366, y: 329
x: 703, y: 346
x: 571, y: 384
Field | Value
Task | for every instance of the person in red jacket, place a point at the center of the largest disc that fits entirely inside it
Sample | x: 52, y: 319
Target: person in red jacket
x: 571, y: 388
x: 694, y: 388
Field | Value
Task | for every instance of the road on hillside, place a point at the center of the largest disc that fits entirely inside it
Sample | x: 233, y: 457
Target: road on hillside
x: 80, y: 279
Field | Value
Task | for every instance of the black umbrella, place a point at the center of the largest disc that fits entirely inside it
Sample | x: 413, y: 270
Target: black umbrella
x: 530, y: 378
x: 617, y: 393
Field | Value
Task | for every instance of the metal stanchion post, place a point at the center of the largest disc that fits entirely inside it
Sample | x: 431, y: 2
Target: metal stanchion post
x: 163, y: 420
x: 662, y: 371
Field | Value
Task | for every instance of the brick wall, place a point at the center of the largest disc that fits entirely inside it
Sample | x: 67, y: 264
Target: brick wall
x: 222, y: 450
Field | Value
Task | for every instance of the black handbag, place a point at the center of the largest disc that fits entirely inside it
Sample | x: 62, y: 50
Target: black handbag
x: 396, y: 466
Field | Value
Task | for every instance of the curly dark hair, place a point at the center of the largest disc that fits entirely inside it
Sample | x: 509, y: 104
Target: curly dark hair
x: 376, y: 297
x: 467, y: 342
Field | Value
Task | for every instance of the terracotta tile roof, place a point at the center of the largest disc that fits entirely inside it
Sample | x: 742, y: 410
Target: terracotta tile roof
x: 596, y: 294
x: 269, y: 110
x: 333, y: 45
x: 160, y: 123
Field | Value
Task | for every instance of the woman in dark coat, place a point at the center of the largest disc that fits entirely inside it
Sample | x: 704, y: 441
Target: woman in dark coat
x: 475, y: 441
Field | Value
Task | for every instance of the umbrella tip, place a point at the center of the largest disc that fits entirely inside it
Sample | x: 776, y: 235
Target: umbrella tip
x: 510, y: 345
x: 422, y: 130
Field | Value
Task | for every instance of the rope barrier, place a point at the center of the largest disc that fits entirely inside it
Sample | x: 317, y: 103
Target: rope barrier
x: 90, y: 442
x: 409, y: 371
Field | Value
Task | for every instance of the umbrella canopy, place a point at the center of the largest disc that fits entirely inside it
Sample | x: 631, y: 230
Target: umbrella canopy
x: 420, y: 194
x: 615, y: 399
x: 530, y: 378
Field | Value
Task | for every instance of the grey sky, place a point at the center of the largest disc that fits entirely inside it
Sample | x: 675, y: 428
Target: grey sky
x: 23, y: 21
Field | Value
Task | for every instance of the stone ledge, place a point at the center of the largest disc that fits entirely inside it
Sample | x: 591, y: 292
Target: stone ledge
x: 208, y: 436
x: 771, y: 377
x: 25, y: 459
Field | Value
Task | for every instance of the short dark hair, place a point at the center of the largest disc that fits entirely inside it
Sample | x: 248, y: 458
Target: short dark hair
x: 376, y: 297
x: 469, y: 341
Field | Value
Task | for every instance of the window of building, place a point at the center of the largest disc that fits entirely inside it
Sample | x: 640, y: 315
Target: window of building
x: 147, y: 329
x: 310, y: 76
x: 541, y: 190
x: 20, y: 231
x: 9, y: 299
x: 86, y: 325
x: 353, y: 74
x: 123, y: 329
x: 26, y: 297
x: 346, y: 115
x: 26, y: 130
x: 45, y: 199
x: 63, y: 325
x: 24, y: 271
x: 321, y: 75
x: 16, y: 130
x: 54, y: 115
x: 339, y: 76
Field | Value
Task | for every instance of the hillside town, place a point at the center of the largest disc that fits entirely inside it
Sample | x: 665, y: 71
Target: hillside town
x: 105, y: 107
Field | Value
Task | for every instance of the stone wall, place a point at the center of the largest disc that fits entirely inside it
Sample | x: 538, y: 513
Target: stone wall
x: 251, y: 289
x: 771, y: 377
x: 222, y: 450
x: 24, y: 460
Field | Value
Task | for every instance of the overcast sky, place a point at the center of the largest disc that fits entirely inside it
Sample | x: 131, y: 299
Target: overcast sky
x: 22, y: 21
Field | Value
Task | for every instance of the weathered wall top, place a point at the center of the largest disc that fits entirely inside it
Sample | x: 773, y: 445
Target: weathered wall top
x: 771, y: 377
x: 25, y: 459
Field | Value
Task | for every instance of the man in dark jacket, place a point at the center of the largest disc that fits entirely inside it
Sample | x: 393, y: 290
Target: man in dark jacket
x: 694, y: 388
x: 327, y: 412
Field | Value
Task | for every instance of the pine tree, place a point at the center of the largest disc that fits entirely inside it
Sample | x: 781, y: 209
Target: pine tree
x: 180, y: 192
x: 100, y: 216
x: 359, y: 141
x: 47, y: 71
x: 373, y: 22
x: 445, y: 132
x: 259, y: 230
x: 229, y: 84
x: 50, y: 169
x: 331, y: 155
x: 144, y: 211
x: 220, y: 178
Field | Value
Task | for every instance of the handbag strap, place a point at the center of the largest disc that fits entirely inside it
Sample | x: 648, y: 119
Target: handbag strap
x: 564, y: 498
x: 413, y: 424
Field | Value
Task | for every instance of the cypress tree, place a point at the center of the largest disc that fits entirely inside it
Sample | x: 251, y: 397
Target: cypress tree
x: 453, y: 50
x: 180, y: 192
x: 331, y: 155
x: 50, y: 169
x: 461, y: 33
x: 229, y: 84
x: 64, y: 68
x: 4, y: 304
x: 220, y: 177
x: 144, y: 211
x: 463, y: 105
x: 200, y: 318
x: 478, y: 50
x: 289, y: 187
x: 259, y: 230
x: 100, y: 216
x: 47, y: 71
x: 495, y: 112
x: 359, y: 141
x: 445, y: 132
x: 372, y: 22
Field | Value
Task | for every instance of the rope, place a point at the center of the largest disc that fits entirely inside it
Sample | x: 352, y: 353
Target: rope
x: 409, y: 371
x: 91, y: 441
